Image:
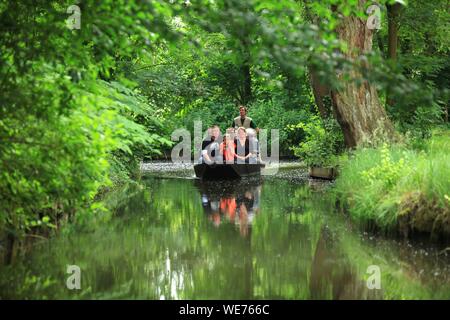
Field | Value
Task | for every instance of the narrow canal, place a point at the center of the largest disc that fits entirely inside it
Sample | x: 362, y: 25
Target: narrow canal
x: 274, y: 237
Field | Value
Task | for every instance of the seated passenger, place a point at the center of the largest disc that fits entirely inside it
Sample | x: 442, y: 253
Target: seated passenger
x: 242, y: 146
x: 205, y: 143
x: 232, y: 133
x: 227, y: 149
x: 210, y: 146
x: 254, y: 145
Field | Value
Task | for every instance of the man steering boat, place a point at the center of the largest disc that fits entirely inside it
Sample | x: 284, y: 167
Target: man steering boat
x: 243, y: 121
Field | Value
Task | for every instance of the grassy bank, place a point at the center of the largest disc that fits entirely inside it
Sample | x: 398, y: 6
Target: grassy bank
x: 399, y: 188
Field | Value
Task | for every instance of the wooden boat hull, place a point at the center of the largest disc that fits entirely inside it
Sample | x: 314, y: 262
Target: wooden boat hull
x: 226, y: 171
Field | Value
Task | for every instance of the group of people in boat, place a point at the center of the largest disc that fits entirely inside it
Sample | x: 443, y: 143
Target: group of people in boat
x: 238, y: 145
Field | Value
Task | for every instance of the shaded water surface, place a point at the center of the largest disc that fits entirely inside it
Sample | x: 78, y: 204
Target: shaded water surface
x: 269, y: 238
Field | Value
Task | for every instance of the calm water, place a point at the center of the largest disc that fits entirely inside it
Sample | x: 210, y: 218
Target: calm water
x: 270, y: 238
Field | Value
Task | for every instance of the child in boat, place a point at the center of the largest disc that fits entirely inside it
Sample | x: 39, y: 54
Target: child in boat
x: 227, y: 148
x: 232, y: 133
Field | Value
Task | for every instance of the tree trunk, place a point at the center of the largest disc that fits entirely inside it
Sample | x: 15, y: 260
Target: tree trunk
x: 380, y: 45
x: 393, y: 12
x: 357, y: 106
x: 320, y: 91
x: 247, y: 84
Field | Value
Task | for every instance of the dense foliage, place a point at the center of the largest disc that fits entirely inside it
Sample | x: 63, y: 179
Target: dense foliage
x: 322, y: 144
x: 68, y: 108
x: 80, y: 108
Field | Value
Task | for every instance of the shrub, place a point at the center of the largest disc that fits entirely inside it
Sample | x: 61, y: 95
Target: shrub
x: 387, y: 171
x: 275, y: 114
x: 323, y: 142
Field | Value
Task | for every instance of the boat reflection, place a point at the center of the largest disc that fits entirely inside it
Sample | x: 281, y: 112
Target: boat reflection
x: 232, y: 202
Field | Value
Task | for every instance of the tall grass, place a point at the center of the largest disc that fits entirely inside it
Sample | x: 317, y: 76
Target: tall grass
x: 398, y: 187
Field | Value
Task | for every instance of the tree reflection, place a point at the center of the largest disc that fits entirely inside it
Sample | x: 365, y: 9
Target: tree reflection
x: 173, y: 239
x: 332, y: 273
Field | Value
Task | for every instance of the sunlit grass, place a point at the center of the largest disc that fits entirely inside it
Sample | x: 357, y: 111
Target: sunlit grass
x: 400, y: 184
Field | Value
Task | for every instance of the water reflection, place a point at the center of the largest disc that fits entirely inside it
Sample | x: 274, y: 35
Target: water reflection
x: 183, y: 239
x: 237, y: 203
x: 332, y: 273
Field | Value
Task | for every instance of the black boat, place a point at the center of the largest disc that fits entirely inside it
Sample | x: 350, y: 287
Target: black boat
x: 220, y: 171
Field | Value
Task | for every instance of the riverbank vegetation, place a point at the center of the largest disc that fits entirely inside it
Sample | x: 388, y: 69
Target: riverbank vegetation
x: 81, y: 107
x: 399, y: 188
x: 71, y: 120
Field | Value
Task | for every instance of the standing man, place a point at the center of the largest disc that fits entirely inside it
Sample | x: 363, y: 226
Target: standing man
x: 243, y: 121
